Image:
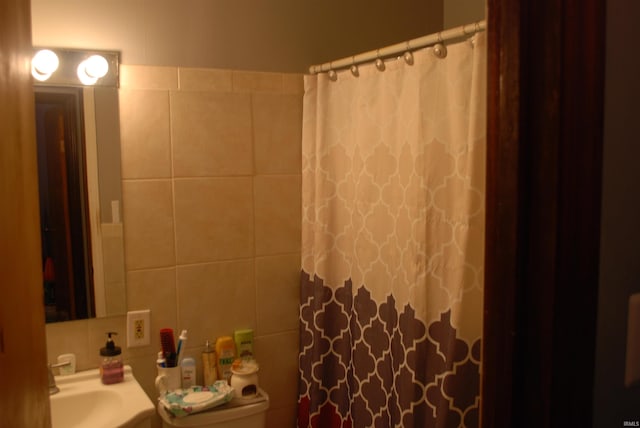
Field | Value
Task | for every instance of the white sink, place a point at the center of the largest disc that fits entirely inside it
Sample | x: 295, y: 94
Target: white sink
x: 84, y: 402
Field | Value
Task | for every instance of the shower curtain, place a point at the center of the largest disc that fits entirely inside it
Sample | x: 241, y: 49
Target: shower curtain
x: 393, y: 242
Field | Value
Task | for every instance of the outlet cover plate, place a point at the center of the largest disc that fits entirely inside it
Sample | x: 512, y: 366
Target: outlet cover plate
x: 138, y: 328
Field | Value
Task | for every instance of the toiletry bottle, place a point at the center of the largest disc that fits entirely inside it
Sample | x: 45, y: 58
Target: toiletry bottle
x: 160, y: 361
x: 244, y: 343
x: 209, y: 364
x: 111, y: 367
x: 188, y: 368
x: 226, y: 352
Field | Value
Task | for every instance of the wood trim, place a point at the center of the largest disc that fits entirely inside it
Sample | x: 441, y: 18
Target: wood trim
x: 579, y: 201
x: 24, y: 397
x: 545, y: 109
x: 503, y: 132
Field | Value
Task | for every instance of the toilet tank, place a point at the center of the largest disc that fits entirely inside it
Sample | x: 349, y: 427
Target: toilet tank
x: 238, y: 413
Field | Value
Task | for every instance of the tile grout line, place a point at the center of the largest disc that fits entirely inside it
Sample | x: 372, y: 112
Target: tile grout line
x: 173, y: 199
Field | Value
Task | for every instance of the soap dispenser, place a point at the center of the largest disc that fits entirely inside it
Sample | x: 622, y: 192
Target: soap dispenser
x: 111, y: 367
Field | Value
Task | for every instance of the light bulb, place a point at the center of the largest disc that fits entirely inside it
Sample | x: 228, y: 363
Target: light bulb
x: 92, y: 68
x: 96, y: 66
x: 43, y: 64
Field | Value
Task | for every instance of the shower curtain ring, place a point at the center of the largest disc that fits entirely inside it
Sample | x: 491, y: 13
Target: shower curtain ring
x: 354, y: 67
x: 333, y: 76
x: 379, y: 62
x: 408, y: 55
x: 440, y: 50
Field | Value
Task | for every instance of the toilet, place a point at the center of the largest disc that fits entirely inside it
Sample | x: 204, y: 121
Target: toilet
x: 238, y: 413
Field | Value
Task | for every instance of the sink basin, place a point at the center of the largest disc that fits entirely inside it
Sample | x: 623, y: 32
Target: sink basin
x: 84, y: 402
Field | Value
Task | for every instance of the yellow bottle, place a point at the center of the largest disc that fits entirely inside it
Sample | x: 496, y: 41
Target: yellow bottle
x: 226, y: 353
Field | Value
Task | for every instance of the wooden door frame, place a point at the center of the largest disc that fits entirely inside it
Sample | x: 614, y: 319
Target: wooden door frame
x: 544, y: 156
x: 24, y: 397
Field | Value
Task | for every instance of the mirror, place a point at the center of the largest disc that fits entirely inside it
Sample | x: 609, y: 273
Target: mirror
x: 78, y: 137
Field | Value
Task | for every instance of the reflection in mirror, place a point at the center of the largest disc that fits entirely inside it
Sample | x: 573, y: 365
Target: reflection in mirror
x: 78, y: 141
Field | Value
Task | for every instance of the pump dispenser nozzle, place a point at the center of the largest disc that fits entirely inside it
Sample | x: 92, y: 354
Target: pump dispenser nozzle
x: 110, y: 349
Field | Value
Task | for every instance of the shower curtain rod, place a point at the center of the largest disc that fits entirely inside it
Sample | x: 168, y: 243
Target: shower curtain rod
x: 399, y: 48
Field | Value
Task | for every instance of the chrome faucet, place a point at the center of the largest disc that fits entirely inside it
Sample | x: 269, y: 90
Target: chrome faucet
x: 53, y: 388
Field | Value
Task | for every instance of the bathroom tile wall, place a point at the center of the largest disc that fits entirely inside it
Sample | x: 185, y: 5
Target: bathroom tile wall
x: 113, y: 268
x: 211, y: 197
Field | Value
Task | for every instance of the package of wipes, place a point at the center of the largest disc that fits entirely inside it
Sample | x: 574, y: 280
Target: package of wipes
x: 184, y: 402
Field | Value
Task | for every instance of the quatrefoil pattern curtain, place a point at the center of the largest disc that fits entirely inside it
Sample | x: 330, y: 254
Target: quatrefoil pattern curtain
x: 393, y: 243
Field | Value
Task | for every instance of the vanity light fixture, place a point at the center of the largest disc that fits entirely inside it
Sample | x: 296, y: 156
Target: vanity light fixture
x: 75, y: 67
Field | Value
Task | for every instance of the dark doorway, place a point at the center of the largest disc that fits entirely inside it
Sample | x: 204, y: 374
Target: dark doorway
x: 66, y: 249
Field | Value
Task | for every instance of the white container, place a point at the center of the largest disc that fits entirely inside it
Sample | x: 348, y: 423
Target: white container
x: 244, y: 380
x: 168, y: 379
x: 188, y: 366
x: 235, y: 414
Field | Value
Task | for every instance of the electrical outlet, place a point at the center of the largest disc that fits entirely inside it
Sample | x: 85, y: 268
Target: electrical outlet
x: 138, y: 327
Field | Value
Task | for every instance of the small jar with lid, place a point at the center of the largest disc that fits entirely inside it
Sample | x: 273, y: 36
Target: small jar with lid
x: 111, y: 366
